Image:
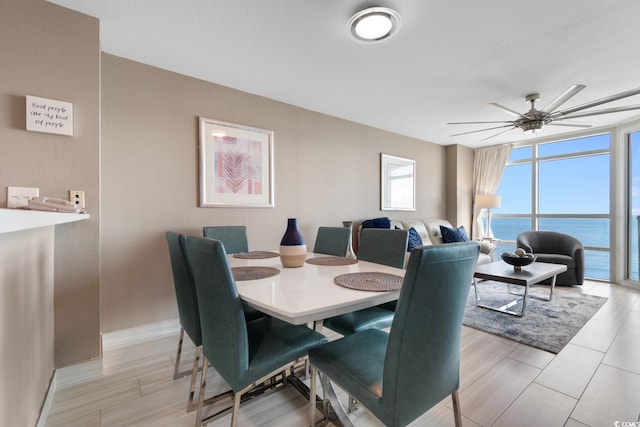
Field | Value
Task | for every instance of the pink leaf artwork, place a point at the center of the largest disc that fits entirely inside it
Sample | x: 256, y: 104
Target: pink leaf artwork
x: 238, y: 165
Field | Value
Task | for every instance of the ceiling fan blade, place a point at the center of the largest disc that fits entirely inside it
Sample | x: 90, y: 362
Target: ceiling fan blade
x: 611, y: 98
x: 572, y: 124
x: 595, y: 113
x: 478, y: 123
x: 505, y: 109
x: 562, y: 98
x: 481, y: 130
x: 499, y: 133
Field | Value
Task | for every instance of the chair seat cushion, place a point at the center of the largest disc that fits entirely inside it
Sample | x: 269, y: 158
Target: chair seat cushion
x: 557, y: 259
x: 272, y: 344
x: 349, y: 323
x: 355, y: 362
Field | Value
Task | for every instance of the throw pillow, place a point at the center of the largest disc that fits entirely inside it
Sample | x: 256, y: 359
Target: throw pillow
x: 452, y: 235
x: 414, y: 240
x: 383, y: 222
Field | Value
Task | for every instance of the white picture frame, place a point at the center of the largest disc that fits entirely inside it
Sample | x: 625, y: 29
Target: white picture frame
x: 397, y: 183
x: 236, y: 165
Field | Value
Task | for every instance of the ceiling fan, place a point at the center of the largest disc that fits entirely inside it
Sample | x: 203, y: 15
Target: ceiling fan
x: 534, y: 119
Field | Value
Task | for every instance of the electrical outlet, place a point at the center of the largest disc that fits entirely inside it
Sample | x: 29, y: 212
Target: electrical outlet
x: 18, y: 197
x: 77, y: 198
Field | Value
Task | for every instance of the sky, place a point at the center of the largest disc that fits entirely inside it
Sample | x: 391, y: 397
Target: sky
x: 577, y: 185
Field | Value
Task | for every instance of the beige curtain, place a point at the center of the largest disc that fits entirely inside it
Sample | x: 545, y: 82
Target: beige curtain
x: 488, y: 166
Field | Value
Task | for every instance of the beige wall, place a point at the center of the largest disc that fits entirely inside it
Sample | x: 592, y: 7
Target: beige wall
x: 459, y: 186
x: 52, y: 52
x: 326, y: 170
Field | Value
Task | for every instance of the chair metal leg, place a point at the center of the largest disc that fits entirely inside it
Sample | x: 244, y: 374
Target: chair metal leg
x: 203, y: 386
x: 332, y: 405
x: 176, y: 375
x: 457, y: 415
x: 236, y: 409
x: 191, y: 405
x: 312, y: 396
x: 352, y: 405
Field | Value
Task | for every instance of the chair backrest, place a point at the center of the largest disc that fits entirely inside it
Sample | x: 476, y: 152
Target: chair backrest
x: 383, y: 246
x: 233, y: 237
x: 224, y: 331
x: 548, y: 242
x: 422, y: 361
x: 332, y: 241
x: 185, y: 287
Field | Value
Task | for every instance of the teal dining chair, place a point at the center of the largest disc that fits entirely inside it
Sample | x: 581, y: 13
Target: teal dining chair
x: 400, y: 375
x: 233, y: 237
x: 245, y: 354
x: 332, y: 241
x: 381, y: 246
x: 188, y: 312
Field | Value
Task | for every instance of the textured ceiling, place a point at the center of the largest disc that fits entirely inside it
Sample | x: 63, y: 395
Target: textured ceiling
x: 449, y: 59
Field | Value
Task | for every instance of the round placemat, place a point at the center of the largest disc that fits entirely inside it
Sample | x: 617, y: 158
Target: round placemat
x: 370, y: 281
x: 253, y: 273
x: 331, y: 260
x: 256, y: 255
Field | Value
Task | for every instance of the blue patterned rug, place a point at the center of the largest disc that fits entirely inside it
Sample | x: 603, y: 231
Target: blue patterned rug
x: 546, y: 325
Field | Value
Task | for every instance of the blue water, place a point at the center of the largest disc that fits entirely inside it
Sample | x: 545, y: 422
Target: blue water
x: 592, y: 232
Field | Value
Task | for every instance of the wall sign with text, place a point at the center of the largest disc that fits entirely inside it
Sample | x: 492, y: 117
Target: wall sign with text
x: 49, y: 116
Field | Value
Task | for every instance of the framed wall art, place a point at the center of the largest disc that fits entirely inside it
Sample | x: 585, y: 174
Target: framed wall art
x: 397, y: 183
x: 236, y: 165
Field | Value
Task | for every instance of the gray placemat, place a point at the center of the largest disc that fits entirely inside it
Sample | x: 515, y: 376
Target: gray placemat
x: 331, y: 260
x: 253, y: 273
x: 256, y: 255
x: 370, y: 281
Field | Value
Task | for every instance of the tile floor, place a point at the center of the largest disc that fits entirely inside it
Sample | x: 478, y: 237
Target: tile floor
x: 594, y: 381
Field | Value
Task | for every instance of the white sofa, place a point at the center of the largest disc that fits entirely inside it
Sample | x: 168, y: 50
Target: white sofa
x: 429, y: 231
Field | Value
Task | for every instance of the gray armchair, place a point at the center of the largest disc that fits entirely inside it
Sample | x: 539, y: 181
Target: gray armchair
x: 556, y: 248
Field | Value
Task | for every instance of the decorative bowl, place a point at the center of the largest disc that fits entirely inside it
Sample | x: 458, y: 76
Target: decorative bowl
x: 517, y: 261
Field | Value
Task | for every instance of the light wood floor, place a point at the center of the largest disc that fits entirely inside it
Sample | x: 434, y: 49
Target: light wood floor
x: 594, y: 381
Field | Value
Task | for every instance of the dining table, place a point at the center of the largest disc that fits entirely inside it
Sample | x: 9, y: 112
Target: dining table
x: 323, y: 287
x: 300, y: 295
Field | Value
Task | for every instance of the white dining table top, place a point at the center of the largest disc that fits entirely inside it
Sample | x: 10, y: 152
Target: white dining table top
x: 308, y: 293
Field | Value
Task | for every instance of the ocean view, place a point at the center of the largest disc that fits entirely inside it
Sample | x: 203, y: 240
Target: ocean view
x: 592, y: 232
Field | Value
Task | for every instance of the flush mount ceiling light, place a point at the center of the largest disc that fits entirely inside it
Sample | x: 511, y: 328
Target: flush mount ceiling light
x: 373, y: 24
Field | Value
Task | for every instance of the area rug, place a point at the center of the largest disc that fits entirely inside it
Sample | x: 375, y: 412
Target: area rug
x: 546, y: 325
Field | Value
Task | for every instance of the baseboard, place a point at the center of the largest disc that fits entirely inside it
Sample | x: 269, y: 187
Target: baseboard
x: 140, y: 333
x: 46, y: 403
x: 631, y: 284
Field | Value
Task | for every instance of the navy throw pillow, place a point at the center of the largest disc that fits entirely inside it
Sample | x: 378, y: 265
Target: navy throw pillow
x: 383, y: 222
x: 414, y: 240
x: 452, y: 235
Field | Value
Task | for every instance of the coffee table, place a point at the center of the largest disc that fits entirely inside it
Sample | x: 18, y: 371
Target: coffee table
x: 529, y: 275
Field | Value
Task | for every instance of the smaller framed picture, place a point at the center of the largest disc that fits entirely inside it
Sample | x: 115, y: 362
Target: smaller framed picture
x: 397, y: 183
x: 236, y: 165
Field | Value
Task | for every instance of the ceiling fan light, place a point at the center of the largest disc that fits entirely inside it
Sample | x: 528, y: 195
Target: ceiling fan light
x: 373, y: 24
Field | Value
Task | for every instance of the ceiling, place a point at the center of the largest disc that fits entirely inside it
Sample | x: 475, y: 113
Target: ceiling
x: 447, y: 62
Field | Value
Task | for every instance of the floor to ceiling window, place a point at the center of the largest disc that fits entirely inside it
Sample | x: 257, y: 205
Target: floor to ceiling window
x: 560, y: 186
x: 633, y: 197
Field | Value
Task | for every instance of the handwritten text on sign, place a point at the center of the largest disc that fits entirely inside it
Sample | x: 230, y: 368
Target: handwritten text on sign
x: 49, y: 116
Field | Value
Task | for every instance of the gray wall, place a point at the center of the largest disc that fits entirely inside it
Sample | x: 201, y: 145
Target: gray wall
x: 326, y: 170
